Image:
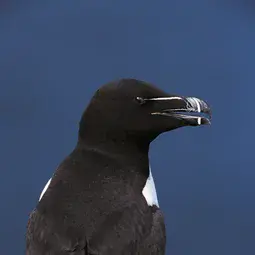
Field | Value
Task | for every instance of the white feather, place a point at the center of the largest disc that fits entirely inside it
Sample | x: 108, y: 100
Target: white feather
x: 44, y: 189
x: 149, y: 191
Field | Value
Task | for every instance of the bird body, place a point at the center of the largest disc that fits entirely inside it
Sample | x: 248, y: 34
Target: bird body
x: 102, y: 197
x: 106, y: 202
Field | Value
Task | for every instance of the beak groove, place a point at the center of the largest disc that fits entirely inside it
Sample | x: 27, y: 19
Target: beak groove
x: 193, y: 105
x: 196, y: 105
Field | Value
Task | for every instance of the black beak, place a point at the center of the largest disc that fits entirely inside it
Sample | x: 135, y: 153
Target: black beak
x: 191, y: 111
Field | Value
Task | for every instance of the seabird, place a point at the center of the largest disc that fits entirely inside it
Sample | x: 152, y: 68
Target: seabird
x: 102, y: 197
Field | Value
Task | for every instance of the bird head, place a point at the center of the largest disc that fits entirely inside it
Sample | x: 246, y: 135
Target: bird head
x: 141, y: 110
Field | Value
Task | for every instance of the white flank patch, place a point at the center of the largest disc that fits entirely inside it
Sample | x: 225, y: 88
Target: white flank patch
x: 149, y: 191
x: 45, y: 188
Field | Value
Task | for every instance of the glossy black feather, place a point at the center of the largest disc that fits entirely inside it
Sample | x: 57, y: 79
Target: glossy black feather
x: 95, y: 211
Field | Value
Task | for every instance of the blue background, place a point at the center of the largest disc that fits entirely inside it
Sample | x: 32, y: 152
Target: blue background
x: 55, y: 54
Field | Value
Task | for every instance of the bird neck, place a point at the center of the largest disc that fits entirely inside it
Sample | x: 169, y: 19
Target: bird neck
x: 115, y: 143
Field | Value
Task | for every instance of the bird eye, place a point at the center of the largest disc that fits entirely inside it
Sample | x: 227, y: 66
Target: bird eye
x: 140, y: 100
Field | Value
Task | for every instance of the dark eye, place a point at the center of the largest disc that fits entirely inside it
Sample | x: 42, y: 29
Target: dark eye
x: 140, y: 100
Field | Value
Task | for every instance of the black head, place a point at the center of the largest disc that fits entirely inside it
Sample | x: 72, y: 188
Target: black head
x: 137, y: 109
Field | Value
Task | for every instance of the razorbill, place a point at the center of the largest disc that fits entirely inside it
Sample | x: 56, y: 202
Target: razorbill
x: 102, y: 197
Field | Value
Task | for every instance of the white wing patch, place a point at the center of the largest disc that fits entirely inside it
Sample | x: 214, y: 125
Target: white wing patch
x: 45, y: 188
x: 149, y: 191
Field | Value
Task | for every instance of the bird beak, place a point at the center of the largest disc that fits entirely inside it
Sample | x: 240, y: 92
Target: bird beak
x: 190, y: 110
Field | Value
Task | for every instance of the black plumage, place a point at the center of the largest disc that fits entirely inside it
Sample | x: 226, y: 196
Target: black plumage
x: 94, y: 203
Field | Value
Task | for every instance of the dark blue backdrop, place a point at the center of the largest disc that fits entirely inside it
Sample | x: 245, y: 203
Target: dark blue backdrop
x: 54, y: 55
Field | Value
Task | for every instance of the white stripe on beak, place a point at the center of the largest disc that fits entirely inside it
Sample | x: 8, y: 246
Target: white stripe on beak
x: 195, y: 103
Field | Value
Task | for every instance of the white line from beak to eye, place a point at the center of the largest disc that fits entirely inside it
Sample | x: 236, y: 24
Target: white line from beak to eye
x: 164, y: 98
